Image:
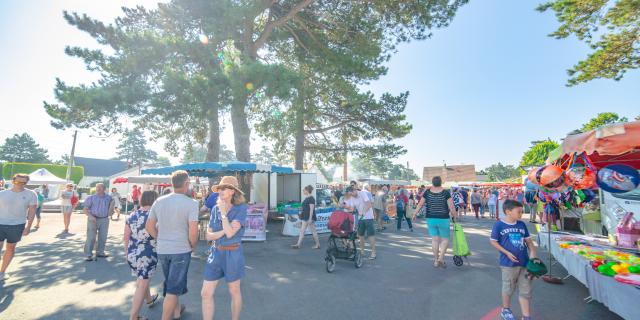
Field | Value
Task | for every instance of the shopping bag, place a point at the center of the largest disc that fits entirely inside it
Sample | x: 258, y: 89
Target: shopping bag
x: 460, y: 248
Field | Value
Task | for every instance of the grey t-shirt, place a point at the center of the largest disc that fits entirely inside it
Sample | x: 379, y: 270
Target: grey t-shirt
x: 14, y: 206
x: 173, y: 213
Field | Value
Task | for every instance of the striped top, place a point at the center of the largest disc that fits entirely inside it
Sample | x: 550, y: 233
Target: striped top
x: 436, y: 204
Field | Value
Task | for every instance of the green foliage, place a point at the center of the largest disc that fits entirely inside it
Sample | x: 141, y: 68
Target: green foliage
x: 602, y: 119
x: 538, y: 153
x: 610, y: 27
x: 226, y: 154
x: 133, y: 148
x: 22, y: 148
x: 162, y: 161
x: 401, y: 172
x: 60, y: 171
x: 327, y: 172
x: 382, y: 168
x: 198, y: 153
x: 500, y: 172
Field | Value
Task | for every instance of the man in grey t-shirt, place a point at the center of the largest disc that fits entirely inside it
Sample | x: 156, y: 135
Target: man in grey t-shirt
x: 173, y: 222
x: 16, y: 205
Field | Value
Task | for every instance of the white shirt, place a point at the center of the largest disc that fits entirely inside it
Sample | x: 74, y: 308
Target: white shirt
x: 359, y: 203
x: 14, y: 206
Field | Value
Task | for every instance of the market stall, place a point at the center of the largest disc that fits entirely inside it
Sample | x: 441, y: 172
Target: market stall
x: 255, y: 181
x: 597, y: 164
x: 43, y: 176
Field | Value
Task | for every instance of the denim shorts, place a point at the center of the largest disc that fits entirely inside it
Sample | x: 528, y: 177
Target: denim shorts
x: 224, y: 263
x: 11, y: 233
x: 438, y: 227
x: 366, y: 227
x: 175, y: 268
x: 38, y: 210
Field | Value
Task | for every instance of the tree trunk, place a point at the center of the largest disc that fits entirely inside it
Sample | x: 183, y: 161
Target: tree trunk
x: 241, y: 130
x: 299, y: 149
x: 213, y: 146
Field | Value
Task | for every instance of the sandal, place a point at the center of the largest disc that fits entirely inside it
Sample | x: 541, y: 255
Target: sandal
x: 154, y: 298
x: 182, y: 309
x: 436, y: 263
x: 295, y: 246
x: 443, y: 264
x: 142, y: 318
x: 316, y: 247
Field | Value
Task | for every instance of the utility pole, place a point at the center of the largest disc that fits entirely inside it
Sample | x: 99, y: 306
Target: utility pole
x: 73, y: 151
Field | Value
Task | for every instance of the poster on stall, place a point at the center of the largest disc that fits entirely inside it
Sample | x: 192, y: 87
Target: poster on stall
x: 255, y: 225
x: 292, y: 221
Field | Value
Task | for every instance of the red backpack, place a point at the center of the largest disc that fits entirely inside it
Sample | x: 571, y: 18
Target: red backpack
x: 341, y: 223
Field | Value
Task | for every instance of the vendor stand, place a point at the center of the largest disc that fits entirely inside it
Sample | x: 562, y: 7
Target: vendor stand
x: 605, y: 268
x: 257, y: 212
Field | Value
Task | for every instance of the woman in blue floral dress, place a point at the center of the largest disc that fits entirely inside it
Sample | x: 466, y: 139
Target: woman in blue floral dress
x: 141, y: 253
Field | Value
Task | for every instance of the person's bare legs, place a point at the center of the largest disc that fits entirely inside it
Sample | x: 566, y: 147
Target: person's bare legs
x: 208, y: 303
x: 435, y: 248
x: 372, y: 242
x: 506, y: 301
x: 236, y: 299
x: 314, y: 234
x: 8, y: 256
x: 444, y: 243
x: 142, y: 289
x: 361, y: 238
x: 67, y: 220
x: 303, y: 229
x: 525, y: 306
x: 169, y: 306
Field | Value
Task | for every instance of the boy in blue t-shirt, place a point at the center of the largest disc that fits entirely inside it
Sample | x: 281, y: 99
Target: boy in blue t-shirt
x: 511, y: 237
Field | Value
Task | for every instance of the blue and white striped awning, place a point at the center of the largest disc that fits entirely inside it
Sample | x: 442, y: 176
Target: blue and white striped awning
x: 204, y: 169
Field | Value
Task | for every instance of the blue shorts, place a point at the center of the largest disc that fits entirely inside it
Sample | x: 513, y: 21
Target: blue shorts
x: 38, y: 210
x: 438, y: 227
x: 224, y: 263
x: 175, y: 268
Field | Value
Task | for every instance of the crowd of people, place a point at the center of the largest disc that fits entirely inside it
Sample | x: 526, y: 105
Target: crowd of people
x: 163, y: 230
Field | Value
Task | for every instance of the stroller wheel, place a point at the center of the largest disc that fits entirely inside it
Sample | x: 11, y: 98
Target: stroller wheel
x: 331, y: 263
x: 457, y: 260
x: 357, y: 260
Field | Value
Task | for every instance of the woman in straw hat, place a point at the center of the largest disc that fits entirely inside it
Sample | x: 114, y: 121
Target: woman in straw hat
x: 226, y: 259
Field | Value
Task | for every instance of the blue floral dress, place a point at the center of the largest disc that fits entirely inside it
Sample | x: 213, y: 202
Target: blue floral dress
x: 141, y: 253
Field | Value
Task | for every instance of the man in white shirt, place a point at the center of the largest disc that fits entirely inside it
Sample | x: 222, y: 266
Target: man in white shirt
x: 16, y: 205
x: 361, y: 203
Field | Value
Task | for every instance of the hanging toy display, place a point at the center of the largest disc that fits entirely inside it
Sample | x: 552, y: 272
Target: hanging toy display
x: 580, y: 175
x: 550, y: 177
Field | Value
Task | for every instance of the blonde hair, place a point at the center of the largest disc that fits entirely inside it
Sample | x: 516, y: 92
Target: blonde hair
x: 20, y: 175
x: 178, y: 178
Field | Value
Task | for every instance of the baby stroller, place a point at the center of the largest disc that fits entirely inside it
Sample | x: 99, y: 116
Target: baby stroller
x: 342, y: 241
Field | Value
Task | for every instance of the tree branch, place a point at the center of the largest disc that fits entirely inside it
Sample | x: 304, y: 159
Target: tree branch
x: 329, y: 128
x: 271, y: 25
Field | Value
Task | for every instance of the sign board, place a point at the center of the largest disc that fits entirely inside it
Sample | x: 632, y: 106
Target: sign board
x: 292, y: 221
x: 255, y: 225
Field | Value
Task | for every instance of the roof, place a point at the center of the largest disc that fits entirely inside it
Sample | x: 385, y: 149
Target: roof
x: 100, y: 167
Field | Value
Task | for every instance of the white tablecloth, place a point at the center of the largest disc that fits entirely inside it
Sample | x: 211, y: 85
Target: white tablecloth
x: 620, y: 298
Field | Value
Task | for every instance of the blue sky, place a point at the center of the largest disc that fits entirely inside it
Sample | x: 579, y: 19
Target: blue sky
x: 481, y: 89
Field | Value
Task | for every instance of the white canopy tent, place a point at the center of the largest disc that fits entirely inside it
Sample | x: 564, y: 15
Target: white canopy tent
x: 149, y: 179
x: 43, y: 176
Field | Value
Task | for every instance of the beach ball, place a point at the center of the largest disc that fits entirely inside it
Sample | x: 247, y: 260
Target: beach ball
x: 580, y: 177
x: 618, y: 178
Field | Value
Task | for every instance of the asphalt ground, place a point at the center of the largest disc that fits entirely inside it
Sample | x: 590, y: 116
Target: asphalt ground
x: 49, y: 279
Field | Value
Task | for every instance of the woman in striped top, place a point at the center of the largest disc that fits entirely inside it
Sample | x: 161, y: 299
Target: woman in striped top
x: 440, y: 208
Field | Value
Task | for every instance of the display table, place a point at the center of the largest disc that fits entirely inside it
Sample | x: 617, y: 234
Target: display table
x: 292, y: 222
x: 618, y: 297
x: 576, y: 265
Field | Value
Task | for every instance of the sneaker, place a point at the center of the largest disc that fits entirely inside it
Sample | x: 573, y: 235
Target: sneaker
x: 506, y: 314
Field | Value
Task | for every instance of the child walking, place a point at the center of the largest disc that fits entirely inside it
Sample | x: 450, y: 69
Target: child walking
x: 511, y: 237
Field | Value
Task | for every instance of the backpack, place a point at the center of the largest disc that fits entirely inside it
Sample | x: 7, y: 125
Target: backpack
x: 399, y: 204
x: 341, y: 223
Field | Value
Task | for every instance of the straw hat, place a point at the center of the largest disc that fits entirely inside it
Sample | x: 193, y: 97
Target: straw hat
x: 227, y: 182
